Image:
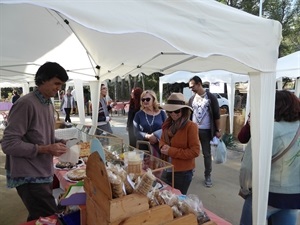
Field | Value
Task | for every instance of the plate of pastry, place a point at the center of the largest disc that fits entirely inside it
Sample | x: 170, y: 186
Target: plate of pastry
x: 75, y: 175
x: 68, y: 165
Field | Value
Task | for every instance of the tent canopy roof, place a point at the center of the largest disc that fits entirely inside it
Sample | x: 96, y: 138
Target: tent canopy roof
x: 211, y: 76
x: 289, y: 66
x: 130, y: 43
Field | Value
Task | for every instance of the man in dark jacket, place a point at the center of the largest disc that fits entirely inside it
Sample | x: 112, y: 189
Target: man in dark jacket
x: 206, y: 115
x: 15, y: 97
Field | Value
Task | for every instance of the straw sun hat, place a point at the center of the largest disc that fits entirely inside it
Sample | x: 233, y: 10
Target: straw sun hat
x: 175, y: 101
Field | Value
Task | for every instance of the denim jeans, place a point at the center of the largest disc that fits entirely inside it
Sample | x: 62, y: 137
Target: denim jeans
x: 205, y: 137
x: 182, y: 179
x: 277, y: 216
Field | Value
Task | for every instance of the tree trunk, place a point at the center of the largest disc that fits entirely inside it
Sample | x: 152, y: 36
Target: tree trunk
x: 143, y: 81
x: 129, y: 83
x: 122, y: 94
x: 116, y: 89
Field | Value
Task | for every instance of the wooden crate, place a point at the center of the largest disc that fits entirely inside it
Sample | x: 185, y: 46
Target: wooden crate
x: 131, y: 209
x: 101, y: 207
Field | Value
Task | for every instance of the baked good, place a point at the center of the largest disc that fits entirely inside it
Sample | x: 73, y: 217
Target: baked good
x: 68, y: 165
x: 84, y: 149
x: 64, y: 165
x: 76, y: 175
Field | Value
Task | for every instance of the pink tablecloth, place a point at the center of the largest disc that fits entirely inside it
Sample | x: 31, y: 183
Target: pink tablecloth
x: 5, y: 106
x: 60, y: 174
x: 218, y: 220
x: 64, y: 184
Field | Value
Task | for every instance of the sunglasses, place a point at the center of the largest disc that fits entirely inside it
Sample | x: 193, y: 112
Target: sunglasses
x: 146, y: 99
x: 176, y: 111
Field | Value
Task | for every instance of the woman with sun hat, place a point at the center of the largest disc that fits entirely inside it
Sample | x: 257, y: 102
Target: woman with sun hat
x: 178, y: 143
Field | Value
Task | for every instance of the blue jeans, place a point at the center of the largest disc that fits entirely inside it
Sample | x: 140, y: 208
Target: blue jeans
x: 205, y: 137
x: 182, y: 180
x: 277, y: 216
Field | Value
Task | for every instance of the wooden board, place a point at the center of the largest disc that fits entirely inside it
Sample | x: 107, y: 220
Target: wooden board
x: 101, y: 208
x: 96, y: 172
x: 158, y: 215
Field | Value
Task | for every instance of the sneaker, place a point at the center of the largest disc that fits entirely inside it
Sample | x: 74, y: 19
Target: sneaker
x: 208, y: 182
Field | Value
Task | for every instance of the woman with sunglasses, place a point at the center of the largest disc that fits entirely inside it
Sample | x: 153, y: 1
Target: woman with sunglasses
x: 148, y: 121
x: 178, y: 143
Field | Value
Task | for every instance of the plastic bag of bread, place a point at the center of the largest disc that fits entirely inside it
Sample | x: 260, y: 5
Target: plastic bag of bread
x: 176, y: 211
x: 118, y: 170
x: 151, y: 199
x: 145, y: 185
x: 158, y: 198
x: 192, y: 204
x: 116, y: 184
x: 169, y: 198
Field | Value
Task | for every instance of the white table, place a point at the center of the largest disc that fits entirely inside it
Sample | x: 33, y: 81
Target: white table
x: 67, y: 133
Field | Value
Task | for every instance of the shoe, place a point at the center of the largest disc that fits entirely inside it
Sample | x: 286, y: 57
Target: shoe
x: 208, y: 182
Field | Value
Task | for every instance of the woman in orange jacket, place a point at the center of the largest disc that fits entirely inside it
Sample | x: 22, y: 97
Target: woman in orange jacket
x: 178, y: 144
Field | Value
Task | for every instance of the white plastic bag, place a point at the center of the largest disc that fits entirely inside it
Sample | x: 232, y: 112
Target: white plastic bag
x: 218, y: 151
x: 72, y: 155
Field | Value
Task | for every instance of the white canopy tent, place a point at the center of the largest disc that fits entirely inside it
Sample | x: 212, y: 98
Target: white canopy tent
x: 289, y: 66
x: 129, y: 37
x: 211, y: 76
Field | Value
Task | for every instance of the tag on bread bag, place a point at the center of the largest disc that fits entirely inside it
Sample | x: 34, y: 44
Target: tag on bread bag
x: 72, y: 155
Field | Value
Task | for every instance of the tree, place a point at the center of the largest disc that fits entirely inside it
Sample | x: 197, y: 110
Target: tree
x: 285, y: 11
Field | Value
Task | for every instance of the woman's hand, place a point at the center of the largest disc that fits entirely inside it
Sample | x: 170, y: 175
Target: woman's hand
x: 152, y: 139
x: 165, y: 149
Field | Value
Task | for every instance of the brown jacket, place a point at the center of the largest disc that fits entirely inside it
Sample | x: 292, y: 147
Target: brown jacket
x: 185, y: 147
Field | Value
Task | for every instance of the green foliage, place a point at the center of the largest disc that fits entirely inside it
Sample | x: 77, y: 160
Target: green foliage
x: 285, y: 11
x: 229, y: 140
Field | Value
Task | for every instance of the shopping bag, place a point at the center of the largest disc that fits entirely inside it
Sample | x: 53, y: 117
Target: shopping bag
x: 218, y: 151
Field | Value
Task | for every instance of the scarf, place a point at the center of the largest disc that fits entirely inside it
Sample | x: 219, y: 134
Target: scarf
x: 170, y: 127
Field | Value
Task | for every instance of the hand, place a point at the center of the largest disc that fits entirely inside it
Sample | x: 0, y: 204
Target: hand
x: 56, y: 149
x: 218, y: 134
x: 152, y: 139
x: 165, y: 149
x: 63, y: 141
